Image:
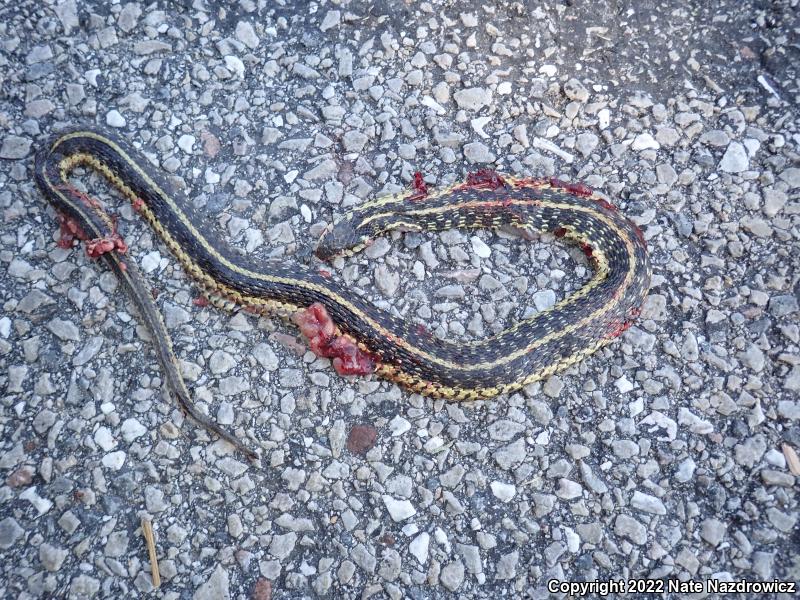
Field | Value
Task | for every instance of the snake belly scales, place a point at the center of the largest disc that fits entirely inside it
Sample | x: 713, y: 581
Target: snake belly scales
x: 359, y: 337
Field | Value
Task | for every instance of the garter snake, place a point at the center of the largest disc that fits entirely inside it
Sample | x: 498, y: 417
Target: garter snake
x: 339, y: 324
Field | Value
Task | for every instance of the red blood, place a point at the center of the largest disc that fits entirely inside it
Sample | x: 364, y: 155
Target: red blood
x: 557, y: 183
x: 579, y: 189
x: 639, y: 234
x: 201, y: 301
x: 99, y: 246
x: 560, y: 232
x: 422, y: 330
x: 587, y: 249
x: 617, y: 327
x: 530, y: 182
x: 419, y: 186
x: 485, y: 178
x: 69, y: 231
x: 138, y: 203
x: 607, y: 205
x: 348, y: 359
x: 325, y: 273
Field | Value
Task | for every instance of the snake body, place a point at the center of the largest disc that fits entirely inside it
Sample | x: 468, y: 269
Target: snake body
x: 530, y: 350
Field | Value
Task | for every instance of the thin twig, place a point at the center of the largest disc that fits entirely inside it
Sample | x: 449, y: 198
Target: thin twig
x: 147, y: 531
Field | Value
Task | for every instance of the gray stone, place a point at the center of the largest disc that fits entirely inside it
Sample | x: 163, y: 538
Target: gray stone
x: 472, y: 557
x: 504, y: 429
x: 117, y: 544
x: 507, y: 566
x: 575, y: 90
x: 324, y: 170
x: 399, y: 510
x: 217, y: 587
x: 735, y: 159
x: 750, y: 451
x: 52, y: 557
x: 65, y: 330
x: 10, y: 532
x: 67, y: 13
x: 473, y: 98
x: 452, y: 575
x: 648, y: 503
x: 569, y: 489
x: 129, y: 16
x: 364, y: 558
x: 419, y: 547
x: 331, y: 20
x: 630, y: 528
x: 781, y: 306
x: 586, y: 143
x: 265, y: 356
x: 386, y: 280
x: 84, y: 586
x: 354, y: 141
x: 283, y: 545
x: 154, y: 499
x: 712, y: 531
x: 510, y: 455
x: 221, y: 362
x: 791, y: 176
x: 477, y: 152
x: 15, y: 147
x: 132, y: 429
x: 247, y: 35
x: 553, y: 386
x: 544, y: 300
x: 783, y: 522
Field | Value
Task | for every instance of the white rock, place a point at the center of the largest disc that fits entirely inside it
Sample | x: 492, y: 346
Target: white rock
x: 478, y: 124
x: 132, y: 429
x: 623, y: 385
x: 645, y: 141
x: 235, y: 65
x: 5, y: 327
x: 42, y: 505
x: 503, y: 491
x: 473, y: 98
x: 544, y: 299
x: 695, y: 423
x: 431, y: 103
x: 399, y: 510
x: 114, y: 460
x: 104, y: 439
x: 398, y: 426
x: 648, y: 503
x: 480, y: 248
x: 186, y: 143
x: 150, y: 261
x: 114, y: 119
x: 419, y: 547
x: 331, y: 20
x: 735, y: 159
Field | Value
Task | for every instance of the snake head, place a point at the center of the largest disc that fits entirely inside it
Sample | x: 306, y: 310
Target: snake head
x: 341, y: 239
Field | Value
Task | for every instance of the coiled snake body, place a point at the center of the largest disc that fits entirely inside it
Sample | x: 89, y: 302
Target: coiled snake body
x: 359, y: 337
